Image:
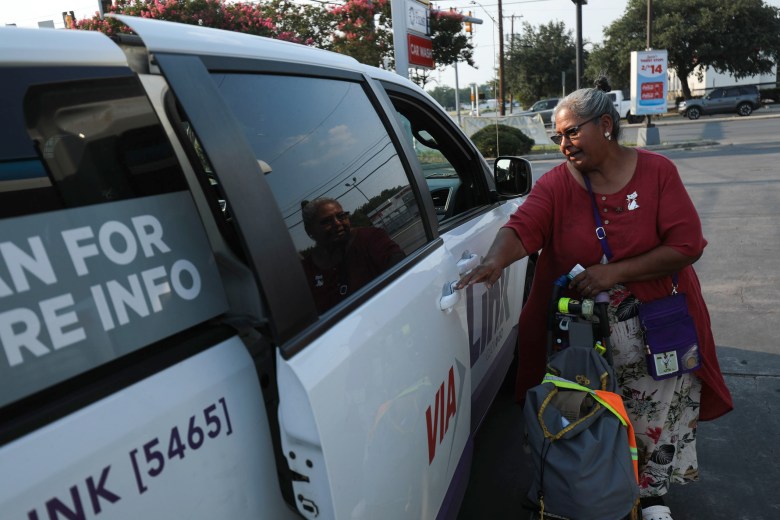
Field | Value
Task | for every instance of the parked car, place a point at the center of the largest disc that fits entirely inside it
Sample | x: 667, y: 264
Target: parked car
x: 742, y: 100
x: 163, y: 351
x: 543, y: 107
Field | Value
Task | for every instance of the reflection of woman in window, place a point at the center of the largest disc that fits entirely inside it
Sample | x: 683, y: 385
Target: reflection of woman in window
x: 343, y: 258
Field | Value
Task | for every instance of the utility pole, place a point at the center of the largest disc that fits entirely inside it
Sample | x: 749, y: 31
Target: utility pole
x: 512, y: 54
x: 579, y: 4
x: 649, y: 46
x: 502, y: 111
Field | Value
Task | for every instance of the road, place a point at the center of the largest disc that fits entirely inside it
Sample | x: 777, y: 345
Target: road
x: 730, y: 168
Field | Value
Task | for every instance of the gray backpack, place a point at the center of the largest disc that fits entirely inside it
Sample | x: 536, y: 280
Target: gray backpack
x: 578, y: 435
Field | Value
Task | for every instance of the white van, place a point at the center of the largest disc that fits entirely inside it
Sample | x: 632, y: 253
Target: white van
x: 166, y: 352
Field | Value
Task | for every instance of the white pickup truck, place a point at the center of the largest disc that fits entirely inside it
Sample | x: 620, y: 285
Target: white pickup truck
x: 170, y: 344
x: 623, y: 106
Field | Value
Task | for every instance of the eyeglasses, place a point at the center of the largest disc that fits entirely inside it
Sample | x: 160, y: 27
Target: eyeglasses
x: 571, y: 133
x: 341, y: 217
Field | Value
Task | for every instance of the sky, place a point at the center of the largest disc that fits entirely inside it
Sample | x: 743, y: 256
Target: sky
x: 596, y: 15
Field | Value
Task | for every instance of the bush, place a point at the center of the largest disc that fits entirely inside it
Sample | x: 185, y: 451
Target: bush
x: 511, y: 141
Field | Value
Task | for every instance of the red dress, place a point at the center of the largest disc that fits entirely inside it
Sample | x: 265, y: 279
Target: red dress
x: 652, y: 209
x: 369, y: 253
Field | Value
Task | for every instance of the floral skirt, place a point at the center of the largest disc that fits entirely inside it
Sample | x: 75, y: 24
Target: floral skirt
x: 664, y: 413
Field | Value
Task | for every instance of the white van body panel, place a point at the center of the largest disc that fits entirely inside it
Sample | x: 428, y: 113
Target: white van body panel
x: 159, y: 36
x: 27, y: 47
x: 99, y: 459
x: 376, y: 413
x: 367, y: 385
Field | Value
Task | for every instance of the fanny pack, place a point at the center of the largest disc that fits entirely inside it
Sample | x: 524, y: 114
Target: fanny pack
x: 671, y: 342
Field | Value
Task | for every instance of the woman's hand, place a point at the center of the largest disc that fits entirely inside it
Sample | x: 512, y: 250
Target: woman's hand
x: 488, y: 272
x: 593, y: 280
x: 656, y: 263
x: 506, y: 249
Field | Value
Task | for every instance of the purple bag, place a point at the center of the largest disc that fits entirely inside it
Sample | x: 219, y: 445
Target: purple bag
x: 670, y: 337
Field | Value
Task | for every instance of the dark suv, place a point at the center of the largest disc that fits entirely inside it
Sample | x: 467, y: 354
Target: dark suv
x: 742, y: 100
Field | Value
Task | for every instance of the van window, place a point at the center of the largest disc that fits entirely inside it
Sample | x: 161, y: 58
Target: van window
x: 102, y: 250
x: 335, y: 174
x: 71, y: 143
x: 452, y: 169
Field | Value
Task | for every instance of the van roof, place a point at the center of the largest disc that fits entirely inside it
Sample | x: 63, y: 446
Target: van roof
x: 172, y: 37
x: 31, y: 46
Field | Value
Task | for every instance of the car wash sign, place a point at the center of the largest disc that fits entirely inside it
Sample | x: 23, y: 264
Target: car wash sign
x: 81, y: 287
x: 420, y: 46
x: 649, y: 82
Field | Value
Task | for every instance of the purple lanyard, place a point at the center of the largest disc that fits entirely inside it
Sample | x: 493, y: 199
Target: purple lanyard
x: 601, y: 233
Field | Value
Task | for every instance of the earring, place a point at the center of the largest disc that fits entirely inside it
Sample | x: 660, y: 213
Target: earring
x: 609, y: 137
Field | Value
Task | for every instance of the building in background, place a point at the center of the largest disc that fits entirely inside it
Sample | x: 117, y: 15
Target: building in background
x: 712, y: 79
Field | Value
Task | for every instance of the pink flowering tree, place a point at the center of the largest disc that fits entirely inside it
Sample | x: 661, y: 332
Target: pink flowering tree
x: 238, y: 16
x: 363, y: 29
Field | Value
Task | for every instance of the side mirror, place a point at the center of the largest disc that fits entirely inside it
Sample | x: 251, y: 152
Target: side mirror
x: 513, y: 176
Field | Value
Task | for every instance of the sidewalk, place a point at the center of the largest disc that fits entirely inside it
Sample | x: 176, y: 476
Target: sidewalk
x: 739, y: 470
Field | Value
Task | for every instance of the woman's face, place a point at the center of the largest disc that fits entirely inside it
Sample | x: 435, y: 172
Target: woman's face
x: 332, y: 225
x: 583, y: 142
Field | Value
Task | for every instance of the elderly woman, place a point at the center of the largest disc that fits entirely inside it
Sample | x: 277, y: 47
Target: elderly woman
x: 653, y: 232
x: 343, y: 258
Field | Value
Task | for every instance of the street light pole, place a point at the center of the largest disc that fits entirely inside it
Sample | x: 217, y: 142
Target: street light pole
x: 354, y: 184
x: 579, y: 4
x: 502, y: 110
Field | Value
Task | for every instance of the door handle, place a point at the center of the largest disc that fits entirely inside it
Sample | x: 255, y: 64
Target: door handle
x: 449, y: 296
x: 467, y: 262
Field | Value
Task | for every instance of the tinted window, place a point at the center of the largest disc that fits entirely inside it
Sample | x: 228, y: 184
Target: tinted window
x: 102, y: 251
x: 335, y: 174
x: 452, y: 171
x: 78, y: 142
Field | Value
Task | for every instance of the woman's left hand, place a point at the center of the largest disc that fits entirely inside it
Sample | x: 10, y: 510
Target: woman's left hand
x: 593, y: 280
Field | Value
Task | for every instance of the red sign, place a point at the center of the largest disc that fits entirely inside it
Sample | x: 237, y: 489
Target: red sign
x: 420, y: 51
x: 653, y: 90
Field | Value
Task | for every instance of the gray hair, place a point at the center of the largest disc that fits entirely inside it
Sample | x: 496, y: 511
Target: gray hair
x: 588, y: 103
x: 309, y: 210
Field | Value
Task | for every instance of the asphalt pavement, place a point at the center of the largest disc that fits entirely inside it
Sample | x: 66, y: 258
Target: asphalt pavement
x: 738, y: 453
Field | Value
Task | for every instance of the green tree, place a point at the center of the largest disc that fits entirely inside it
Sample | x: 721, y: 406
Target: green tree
x: 450, y: 43
x: 738, y: 37
x: 493, y: 140
x: 537, y: 58
x: 445, y: 96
